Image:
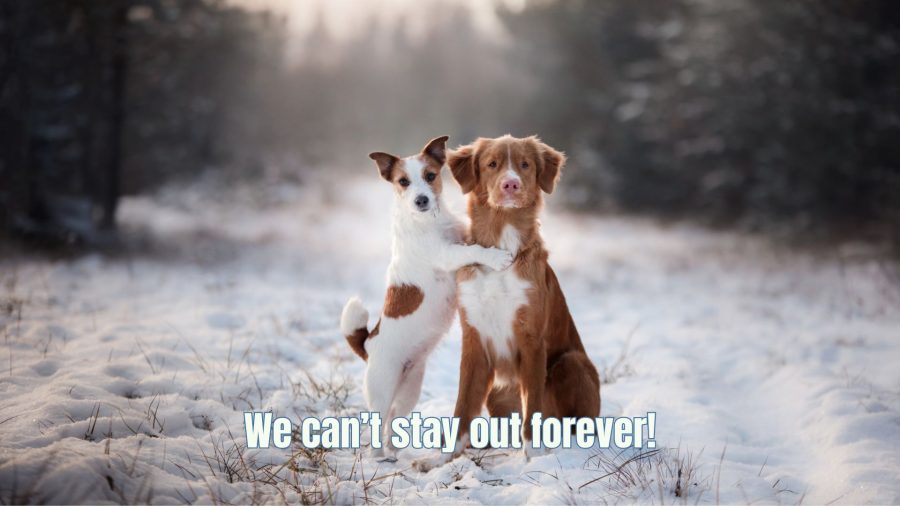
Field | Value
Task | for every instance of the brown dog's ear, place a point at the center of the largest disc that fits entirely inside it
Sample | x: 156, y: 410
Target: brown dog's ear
x: 385, y: 163
x: 552, y: 162
x: 436, y: 149
x: 462, y: 165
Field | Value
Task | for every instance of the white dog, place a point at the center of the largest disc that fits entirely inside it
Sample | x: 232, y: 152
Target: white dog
x: 421, y: 297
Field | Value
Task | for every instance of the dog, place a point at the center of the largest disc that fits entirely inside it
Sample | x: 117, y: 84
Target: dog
x: 521, y: 351
x: 421, y: 298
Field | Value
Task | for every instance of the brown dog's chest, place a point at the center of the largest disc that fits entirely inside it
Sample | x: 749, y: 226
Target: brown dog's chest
x: 491, y: 301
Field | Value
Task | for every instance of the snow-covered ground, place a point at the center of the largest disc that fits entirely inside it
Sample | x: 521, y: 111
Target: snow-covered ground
x: 775, y: 375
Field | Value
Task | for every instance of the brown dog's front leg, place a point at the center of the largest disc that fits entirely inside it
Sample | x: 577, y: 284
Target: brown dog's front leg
x: 532, y: 377
x: 475, y: 378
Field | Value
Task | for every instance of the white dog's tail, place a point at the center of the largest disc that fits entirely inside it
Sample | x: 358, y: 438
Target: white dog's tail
x: 353, y: 324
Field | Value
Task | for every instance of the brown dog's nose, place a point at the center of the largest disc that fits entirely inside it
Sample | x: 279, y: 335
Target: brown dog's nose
x: 510, y: 185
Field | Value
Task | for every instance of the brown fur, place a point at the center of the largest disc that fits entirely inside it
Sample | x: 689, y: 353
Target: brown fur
x: 357, y: 339
x: 478, y: 166
x: 402, y: 300
x: 551, y: 371
x: 399, y: 301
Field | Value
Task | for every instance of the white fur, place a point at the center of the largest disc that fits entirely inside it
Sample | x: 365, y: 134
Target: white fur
x: 510, y: 172
x: 510, y: 240
x: 491, y: 300
x: 417, y: 185
x: 354, y: 316
x: 426, y: 252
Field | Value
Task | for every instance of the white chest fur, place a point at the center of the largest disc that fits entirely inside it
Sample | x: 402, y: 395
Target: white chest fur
x: 492, y: 298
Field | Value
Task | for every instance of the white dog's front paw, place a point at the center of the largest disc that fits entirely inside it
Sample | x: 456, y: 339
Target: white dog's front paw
x: 498, y: 259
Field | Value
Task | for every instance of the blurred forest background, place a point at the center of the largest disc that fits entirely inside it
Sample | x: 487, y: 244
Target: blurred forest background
x: 782, y: 117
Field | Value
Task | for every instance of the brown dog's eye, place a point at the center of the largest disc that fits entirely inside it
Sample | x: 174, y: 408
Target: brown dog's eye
x: 524, y: 165
x: 430, y: 177
x: 403, y: 182
x: 493, y: 165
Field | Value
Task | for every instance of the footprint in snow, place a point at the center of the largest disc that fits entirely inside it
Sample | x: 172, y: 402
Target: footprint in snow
x: 46, y: 367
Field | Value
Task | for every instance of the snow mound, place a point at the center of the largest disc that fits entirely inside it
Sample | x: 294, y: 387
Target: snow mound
x: 124, y: 378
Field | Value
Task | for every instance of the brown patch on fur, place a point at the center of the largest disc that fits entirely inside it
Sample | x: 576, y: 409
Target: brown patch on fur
x: 466, y: 273
x: 386, y: 163
x: 357, y: 339
x: 397, y: 175
x: 551, y: 371
x: 392, y: 169
x: 436, y: 150
x: 431, y: 167
x: 433, y: 156
x: 402, y: 300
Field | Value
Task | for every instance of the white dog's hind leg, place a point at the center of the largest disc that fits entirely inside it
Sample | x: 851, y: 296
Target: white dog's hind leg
x: 405, y: 399
x: 381, y: 386
x: 410, y: 388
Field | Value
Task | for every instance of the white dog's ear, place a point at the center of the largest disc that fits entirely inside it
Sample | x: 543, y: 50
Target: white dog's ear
x: 462, y: 162
x: 385, y: 163
x: 436, y: 149
x: 550, y: 166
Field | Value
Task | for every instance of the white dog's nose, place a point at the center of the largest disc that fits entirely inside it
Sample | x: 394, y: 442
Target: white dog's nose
x: 421, y: 202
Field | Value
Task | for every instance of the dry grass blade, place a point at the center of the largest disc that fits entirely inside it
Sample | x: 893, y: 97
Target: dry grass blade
x: 622, y: 469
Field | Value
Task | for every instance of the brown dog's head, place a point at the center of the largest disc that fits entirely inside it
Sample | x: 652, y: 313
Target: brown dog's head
x: 507, y: 172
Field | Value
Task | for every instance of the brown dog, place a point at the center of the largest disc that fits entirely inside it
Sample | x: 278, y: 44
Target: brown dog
x: 520, y: 346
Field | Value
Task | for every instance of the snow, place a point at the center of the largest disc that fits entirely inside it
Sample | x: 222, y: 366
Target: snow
x: 124, y: 377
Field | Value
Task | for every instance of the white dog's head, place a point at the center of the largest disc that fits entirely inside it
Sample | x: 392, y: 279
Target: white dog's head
x: 416, y: 178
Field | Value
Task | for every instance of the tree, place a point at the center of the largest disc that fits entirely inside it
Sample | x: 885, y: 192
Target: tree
x: 772, y: 114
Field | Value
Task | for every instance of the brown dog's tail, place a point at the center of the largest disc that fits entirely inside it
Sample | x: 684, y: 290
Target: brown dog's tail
x: 353, y: 324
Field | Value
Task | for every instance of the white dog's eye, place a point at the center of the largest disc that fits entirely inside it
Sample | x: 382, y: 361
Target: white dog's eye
x: 430, y: 177
x: 403, y: 182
